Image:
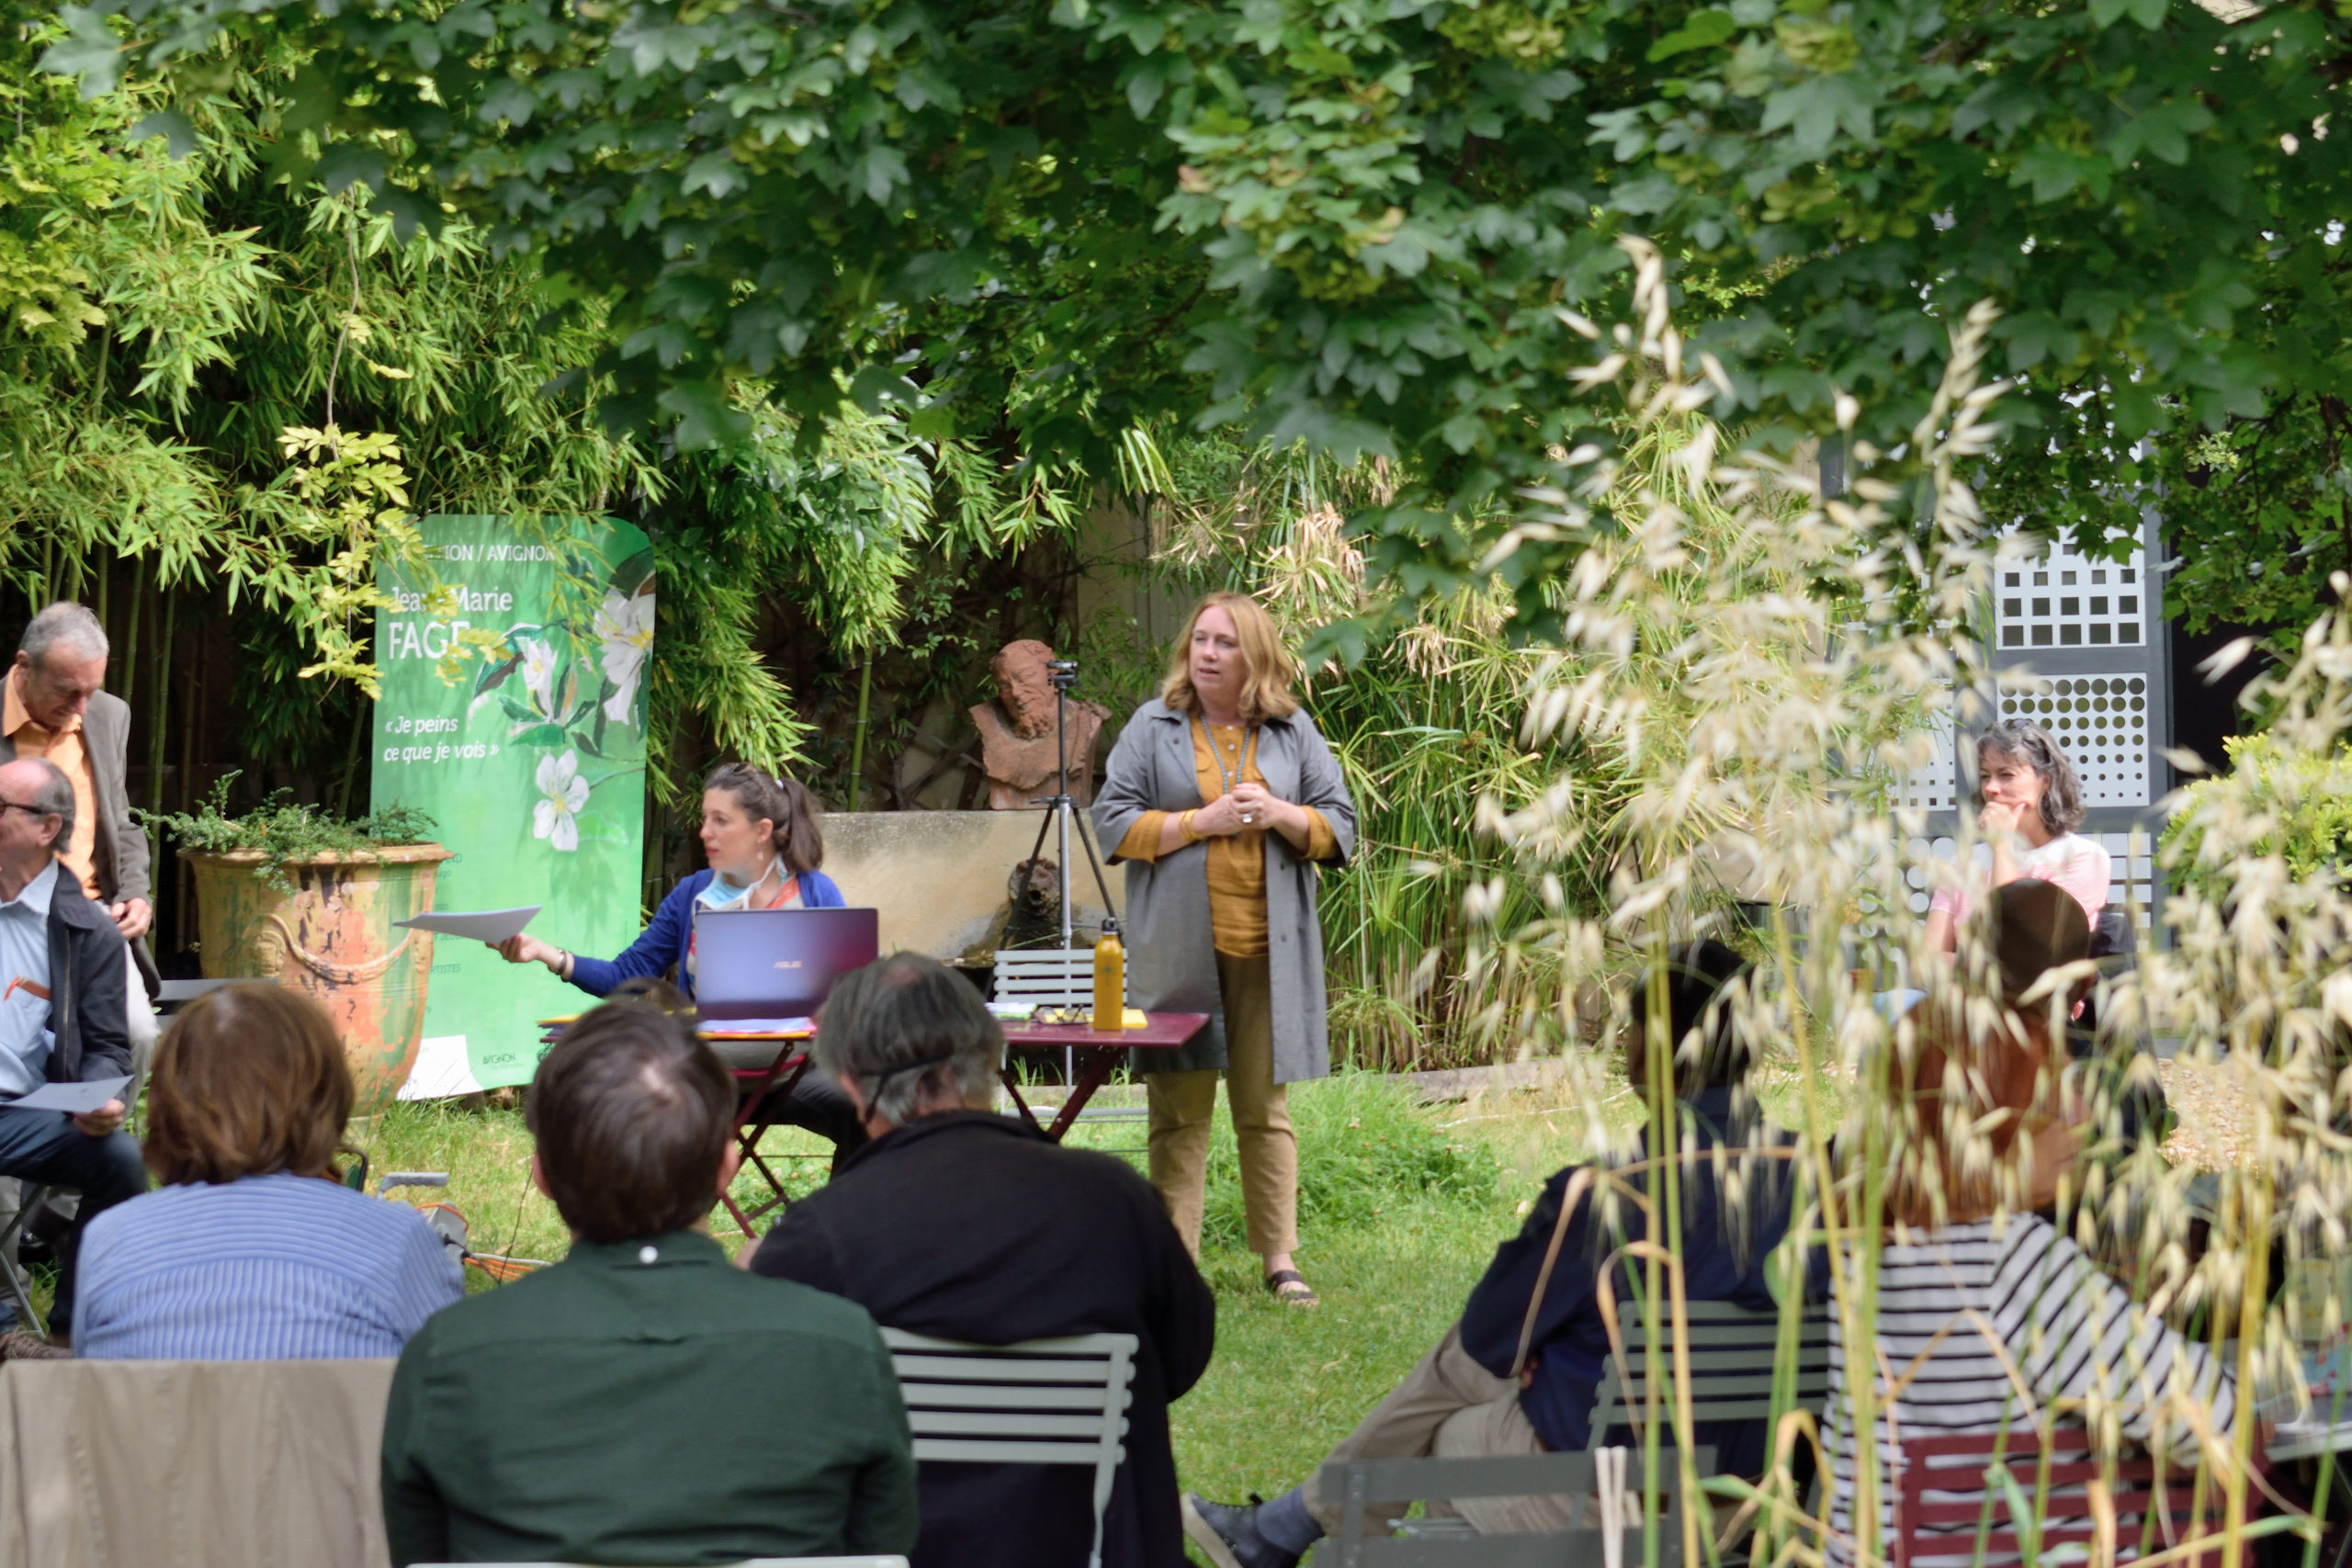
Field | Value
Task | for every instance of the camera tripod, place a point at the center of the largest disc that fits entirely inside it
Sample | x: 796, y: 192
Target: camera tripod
x: 1062, y: 810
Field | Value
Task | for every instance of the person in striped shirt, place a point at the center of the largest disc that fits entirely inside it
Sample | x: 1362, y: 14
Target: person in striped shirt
x: 1989, y: 1317
x: 253, y: 1249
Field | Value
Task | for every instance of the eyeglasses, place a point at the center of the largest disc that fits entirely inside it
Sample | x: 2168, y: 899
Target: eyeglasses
x: 27, y: 810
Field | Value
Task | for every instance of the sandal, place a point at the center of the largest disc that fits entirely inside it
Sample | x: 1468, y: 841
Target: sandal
x: 1291, y: 1289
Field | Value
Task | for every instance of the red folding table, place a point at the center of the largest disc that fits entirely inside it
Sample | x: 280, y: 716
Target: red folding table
x: 757, y: 1089
x: 1099, y: 1051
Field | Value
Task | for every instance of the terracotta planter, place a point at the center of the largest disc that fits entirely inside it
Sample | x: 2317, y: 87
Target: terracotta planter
x: 333, y: 937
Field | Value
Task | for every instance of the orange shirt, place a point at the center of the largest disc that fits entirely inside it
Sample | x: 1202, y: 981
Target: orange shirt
x: 1236, y: 866
x: 64, y: 747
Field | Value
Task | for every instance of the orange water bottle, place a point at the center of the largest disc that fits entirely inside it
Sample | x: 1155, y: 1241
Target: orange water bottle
x: 1110, y: 980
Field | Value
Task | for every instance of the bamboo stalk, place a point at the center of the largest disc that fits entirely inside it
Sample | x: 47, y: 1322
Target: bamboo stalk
x: 130, y: 689
x: 858, y: 747
x: 166, y: 613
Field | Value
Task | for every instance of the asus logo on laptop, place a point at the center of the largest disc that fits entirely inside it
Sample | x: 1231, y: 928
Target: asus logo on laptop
x: 787, y: 963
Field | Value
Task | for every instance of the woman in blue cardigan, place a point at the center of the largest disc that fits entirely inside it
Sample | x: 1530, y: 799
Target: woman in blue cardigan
x: 759, y: 833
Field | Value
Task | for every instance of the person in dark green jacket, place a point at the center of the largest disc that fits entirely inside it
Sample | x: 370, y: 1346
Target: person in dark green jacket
x: 643, y: 1401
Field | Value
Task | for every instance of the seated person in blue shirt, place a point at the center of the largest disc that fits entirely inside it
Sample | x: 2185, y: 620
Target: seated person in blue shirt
x: 62, y: 1020
x: 1461, y: 1400
x: 643, y: 1401
x: 759, y: 833
x: 253, y: 1249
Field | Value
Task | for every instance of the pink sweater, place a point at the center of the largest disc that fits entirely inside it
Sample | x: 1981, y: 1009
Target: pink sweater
x: 2082, y: 866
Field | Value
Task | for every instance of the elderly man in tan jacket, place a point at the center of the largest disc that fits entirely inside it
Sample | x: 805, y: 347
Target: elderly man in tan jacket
x: 52, y: 707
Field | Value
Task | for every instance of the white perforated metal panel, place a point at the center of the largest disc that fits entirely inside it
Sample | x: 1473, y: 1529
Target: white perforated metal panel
x: 2059, y: 599
x: 1933, y: 787
x: 2101, y: 723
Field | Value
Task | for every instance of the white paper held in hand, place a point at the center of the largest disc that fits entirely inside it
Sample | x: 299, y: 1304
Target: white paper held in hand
x: 492, y: 926
x: 74, y: 1098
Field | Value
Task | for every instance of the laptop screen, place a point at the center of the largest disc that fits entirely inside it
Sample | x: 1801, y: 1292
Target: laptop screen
x: 772, y: 963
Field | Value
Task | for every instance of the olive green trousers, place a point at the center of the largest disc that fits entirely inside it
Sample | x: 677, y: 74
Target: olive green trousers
x: 1182, y: 1104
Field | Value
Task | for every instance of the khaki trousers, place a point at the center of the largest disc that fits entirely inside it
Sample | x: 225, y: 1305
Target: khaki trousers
x: 1451, y: 1407
x: 1182, y: 1105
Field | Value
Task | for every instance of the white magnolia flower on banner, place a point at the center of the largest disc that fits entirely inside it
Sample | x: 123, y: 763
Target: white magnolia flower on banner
x: 562, y: 792
x: 538, y: 673
x: 625, y: 628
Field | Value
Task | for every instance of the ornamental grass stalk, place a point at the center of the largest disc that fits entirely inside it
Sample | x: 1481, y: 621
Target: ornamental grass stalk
x: 1753, y: 673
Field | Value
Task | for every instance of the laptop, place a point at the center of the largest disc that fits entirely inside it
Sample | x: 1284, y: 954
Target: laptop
x: 774, y: 967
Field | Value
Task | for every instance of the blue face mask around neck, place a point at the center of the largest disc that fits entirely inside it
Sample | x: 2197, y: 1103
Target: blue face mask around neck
x: 723, y: 893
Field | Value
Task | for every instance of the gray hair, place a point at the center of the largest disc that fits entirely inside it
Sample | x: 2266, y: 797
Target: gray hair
x: 54, y: 798
x: 2062, y: 790
x: 905, y: 1024
x: 64, y: 623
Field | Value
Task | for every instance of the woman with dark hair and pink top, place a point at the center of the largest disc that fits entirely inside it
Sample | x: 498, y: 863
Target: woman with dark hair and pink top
x: 2032, y: 803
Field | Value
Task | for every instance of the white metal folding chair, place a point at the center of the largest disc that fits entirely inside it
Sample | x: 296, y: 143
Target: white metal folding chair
x: 1059, y: 977
x: 1042, y: 1401
x: 1046, y: 976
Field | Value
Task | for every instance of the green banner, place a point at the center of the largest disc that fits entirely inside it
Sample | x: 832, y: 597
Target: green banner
x: 513, y: 712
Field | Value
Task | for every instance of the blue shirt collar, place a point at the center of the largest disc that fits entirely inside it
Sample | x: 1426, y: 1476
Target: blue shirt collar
x: 38, y: 892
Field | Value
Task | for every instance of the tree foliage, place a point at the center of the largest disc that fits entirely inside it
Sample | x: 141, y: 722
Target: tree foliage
x: 248, y: 384
x: 1359, y: 224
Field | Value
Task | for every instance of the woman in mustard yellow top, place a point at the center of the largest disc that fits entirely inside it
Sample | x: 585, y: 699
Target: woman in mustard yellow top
x: 1224, y: 803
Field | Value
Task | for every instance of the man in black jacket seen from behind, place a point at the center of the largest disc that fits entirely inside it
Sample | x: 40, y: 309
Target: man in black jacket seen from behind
x: 963, y: 1225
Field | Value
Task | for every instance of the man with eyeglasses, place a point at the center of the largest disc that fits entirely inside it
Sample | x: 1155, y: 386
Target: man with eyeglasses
x: 61, y: 1007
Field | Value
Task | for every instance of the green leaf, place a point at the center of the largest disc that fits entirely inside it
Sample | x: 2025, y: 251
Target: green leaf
x: 1704, y: 30
x: 717, y: 173
x: 706, y: 418
x: 88, y: 50
x: 178, y: 134
x: 494, y: 676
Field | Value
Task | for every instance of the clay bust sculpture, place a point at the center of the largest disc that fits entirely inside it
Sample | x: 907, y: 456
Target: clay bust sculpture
x: 1017, y: 744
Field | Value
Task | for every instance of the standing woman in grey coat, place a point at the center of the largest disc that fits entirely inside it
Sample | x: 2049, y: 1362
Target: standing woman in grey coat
x: 1225, y: 804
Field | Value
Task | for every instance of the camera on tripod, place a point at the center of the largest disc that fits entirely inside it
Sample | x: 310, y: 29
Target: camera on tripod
x: 1063, y: 672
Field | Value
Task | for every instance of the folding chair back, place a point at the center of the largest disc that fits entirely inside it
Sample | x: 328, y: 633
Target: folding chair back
x: 1734, y: 1354
x: 1042, y: 1401
x: 1046, y: 976
x: 1949, y: 1507
x: 207, y: 1464
x: 1367, y: 1488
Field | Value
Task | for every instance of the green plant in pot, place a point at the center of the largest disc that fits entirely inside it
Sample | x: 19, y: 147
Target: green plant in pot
x: 292, y: 893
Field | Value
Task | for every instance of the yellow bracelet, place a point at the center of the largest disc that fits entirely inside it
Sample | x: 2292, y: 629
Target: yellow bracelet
x: 1184, y: 829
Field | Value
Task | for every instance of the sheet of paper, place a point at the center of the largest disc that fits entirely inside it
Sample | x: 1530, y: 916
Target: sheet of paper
x: 480, y: 925
x: 757, y: 1026
x: 74, y: 1098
